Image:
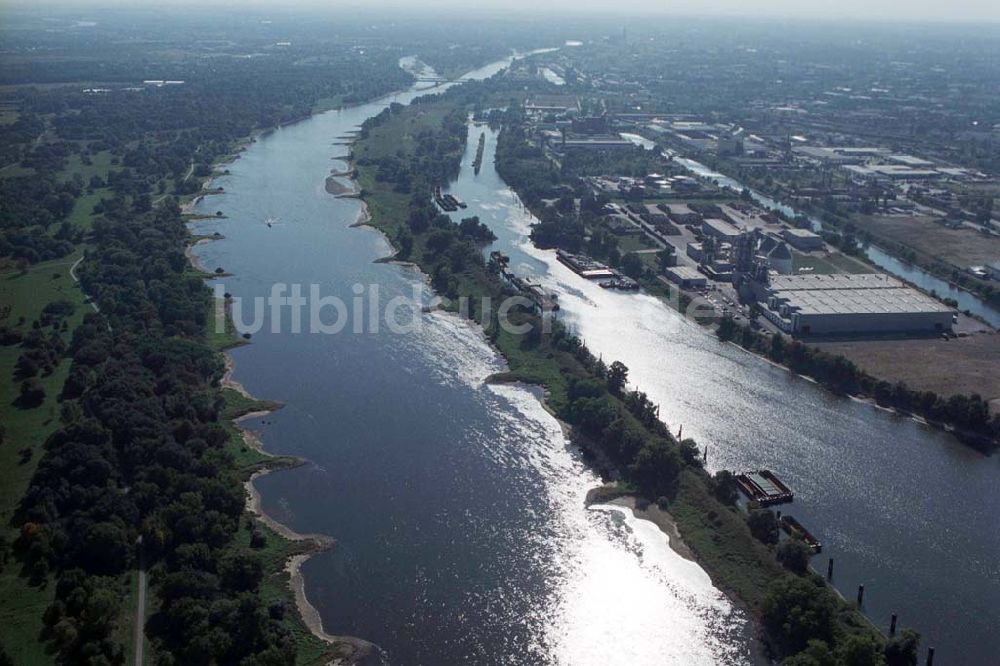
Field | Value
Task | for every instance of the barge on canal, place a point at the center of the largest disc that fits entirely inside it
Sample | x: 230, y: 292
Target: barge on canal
x: 584, y: 266
x: 764, y: 487
x: 449, y: 203
x: 544, y: 301
x: 797, y: 530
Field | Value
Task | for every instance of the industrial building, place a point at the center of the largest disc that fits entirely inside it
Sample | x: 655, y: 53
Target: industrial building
x: 803, y: 239
x: 720, y: 230
x: 889, y: 172
x: 594, y: 142
x: 850, y: 303
x: 686, y: 277
x: 542, y: 104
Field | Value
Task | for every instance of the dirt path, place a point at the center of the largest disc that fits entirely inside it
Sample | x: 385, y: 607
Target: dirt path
x: 139, y: 636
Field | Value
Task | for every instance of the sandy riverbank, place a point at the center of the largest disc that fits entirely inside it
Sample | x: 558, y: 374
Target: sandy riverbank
x: 364, y: 216
x: 344, y: 650
x: 187, y: 208
x: 339, y: 189
x: 659, y: 517
x: 192, y: 257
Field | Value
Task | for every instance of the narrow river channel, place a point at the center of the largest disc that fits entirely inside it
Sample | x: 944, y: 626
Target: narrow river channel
x: 457, y: 506
x: 907, y: 511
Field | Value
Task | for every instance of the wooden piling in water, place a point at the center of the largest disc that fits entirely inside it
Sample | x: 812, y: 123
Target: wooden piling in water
x: 892, y: 625
x: 861, y: 595
x: 829, y: 570
x: 930, y: 656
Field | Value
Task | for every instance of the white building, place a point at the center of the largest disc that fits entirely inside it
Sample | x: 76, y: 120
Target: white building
x: 850, y: 303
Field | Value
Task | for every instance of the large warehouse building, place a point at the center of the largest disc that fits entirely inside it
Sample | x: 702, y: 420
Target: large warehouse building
x: 848, y: 303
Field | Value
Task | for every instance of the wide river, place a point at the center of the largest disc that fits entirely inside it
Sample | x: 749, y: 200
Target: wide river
x: 458, y: 506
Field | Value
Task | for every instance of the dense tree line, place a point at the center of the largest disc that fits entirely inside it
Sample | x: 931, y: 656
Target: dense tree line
x: 430, y: 164
x: 141, y: 457
x: 33, y: 212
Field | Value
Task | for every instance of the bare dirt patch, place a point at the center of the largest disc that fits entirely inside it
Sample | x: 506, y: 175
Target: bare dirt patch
x: 962, y: 365
x: 960, y: 247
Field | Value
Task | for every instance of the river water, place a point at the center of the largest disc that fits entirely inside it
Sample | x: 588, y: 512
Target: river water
x: 457, y: 506
x: 905, y: 510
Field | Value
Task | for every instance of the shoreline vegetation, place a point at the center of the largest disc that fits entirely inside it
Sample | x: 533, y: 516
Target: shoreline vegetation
x: 619, y: 431
x: 967, y: 418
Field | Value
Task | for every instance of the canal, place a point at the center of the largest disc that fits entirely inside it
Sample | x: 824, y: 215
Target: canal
x: 457, y: 506
x: 903, y: 509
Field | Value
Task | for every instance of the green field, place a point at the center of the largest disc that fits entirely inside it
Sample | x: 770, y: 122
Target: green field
x: 21, y: 605
x: 100, y: 164
x: 13, y: 170
x: 328, y: 104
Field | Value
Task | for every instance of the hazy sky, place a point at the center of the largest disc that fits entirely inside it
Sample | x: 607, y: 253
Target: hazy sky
x: 952, y: 11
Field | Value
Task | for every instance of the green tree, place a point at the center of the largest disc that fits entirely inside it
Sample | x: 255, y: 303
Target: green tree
x: 794, y: 555
x: 817, y: 653
x: 724, y: 487
x: 32, y: 394
x: 617, y: 377
x: 632, y: 266
x: 763, y: 525
x: 656, y: 468
x: 690, y: 452
x: 903, y: 650
x: 797, y: 610
x: 861, y: 650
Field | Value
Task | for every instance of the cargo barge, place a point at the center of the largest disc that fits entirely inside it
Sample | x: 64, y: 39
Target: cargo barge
x: 796, y: 530
x: 543, y: 300
x: 621, y: 283
x: 764, y: 487
x: 477, y: 163
x: 449, y: 203
x: 584, y: 266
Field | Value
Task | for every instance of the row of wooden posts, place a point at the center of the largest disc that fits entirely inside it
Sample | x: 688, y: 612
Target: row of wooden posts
x: 861, y: 599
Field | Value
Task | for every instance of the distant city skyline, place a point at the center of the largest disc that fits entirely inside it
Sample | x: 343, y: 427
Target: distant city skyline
x: 959, y: 11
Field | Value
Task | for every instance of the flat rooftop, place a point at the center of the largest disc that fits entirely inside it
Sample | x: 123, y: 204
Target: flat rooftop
x: 685, y: 273
x: 835, y: 281
x: 721, y: 227
x: 800, y: 233
x: 862, y: 301
x: 851, y: 294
